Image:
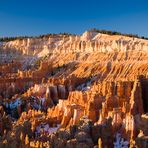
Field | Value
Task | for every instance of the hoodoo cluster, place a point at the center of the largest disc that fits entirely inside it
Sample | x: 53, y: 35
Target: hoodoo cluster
x: 74, y: 91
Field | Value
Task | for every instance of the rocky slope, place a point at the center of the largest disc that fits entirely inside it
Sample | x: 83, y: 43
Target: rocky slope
x: 74, y: 91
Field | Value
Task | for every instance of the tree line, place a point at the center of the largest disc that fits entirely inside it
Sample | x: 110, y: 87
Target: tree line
x: 109, y: 32
x: 7, y: 39
x: 46, y: 36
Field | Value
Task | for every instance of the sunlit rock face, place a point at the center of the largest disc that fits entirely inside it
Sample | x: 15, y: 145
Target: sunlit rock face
x: 88, y: 42
x: 74, y: 91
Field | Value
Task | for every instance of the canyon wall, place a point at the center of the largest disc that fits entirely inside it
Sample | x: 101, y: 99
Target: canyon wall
x: 88, y: 89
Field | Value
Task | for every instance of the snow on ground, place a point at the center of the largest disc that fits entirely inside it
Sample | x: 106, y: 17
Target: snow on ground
x: 13, y: 104
x: 120, y: 142
x: 84, y: 86
x: 46, y: 128
x: 37, y: 102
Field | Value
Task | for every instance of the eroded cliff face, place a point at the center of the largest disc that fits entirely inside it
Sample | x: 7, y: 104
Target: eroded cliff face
x: 88, y: 42
x: 88, y: 89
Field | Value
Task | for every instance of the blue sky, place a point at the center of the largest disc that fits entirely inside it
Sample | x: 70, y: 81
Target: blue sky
x: 35, y: 17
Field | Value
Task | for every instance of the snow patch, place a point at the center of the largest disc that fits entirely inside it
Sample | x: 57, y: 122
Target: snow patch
x: 120, y: 143
x: 46, y: 128
x: 13, y: 104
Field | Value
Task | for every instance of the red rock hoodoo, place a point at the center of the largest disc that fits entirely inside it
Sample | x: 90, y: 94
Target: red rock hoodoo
x: 74, y: 91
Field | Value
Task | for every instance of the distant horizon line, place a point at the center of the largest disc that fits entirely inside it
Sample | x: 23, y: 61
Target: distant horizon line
x: 103, y: 31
